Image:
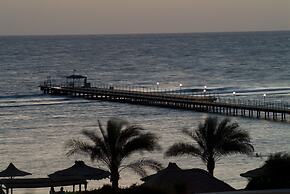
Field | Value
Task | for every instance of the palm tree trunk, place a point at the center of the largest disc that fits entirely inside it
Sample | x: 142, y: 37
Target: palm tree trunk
x: 115, y: 178
x: 210, y: 165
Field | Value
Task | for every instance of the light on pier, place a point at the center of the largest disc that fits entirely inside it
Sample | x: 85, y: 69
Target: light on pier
x: 180, y: 86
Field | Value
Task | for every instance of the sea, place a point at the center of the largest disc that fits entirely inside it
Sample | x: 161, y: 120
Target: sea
x: 35, y: 127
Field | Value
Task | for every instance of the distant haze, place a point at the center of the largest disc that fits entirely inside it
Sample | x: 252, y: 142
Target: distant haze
x: 28, y: 17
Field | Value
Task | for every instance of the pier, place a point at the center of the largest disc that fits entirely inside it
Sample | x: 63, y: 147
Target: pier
x: 200, y: 102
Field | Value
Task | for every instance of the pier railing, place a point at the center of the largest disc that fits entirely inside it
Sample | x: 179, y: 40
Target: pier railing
x: 258, y: 103
x: 176, y: 98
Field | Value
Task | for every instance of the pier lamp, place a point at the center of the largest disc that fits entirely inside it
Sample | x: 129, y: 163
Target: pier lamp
x: 157, y: 86
x: 264, y: 96
x: 180, y: 86
x: 204, y: 90
x: 234, y: 94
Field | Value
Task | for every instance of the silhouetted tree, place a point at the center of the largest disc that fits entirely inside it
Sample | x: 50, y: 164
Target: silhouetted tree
x: 274, y: 174
x: 213, y: 139
x: 116, y: 142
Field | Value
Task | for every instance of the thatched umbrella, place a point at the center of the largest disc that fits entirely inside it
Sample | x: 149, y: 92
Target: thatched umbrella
x: 258, y: 172
x: 81, y: 171
x: 175, y: 180
x: 11, y: 171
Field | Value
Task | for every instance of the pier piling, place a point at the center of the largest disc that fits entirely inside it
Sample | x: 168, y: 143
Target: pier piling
x: 161, y: 98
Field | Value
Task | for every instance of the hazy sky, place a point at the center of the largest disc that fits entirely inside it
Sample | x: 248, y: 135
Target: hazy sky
x: 141, y: 16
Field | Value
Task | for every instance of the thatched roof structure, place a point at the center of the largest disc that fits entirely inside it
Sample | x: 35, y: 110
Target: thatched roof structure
x: 277, y: 165
x: 12, y: 171
x: 175, y: 180
x: 81, y: 170
x: 258, y: 172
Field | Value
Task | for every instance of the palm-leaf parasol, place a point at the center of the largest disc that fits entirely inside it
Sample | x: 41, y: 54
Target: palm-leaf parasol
x: 81, y: 170
x: 12, y: 171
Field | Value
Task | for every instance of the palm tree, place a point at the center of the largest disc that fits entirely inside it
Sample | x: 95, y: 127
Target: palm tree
x: 213, y: 139
x: 117, y: 141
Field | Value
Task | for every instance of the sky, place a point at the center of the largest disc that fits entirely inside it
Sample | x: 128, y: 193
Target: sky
x: 41, y: 17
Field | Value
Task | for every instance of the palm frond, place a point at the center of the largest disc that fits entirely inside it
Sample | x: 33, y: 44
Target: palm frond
x: 92, y: 136
x: 205, y: 133
x: 225, y: 129
x: 100, y: 149
x: 234, y: 147
x: 179, y: 149
x: 117, y: 123
x: 105, y: 145
x: 83, y: 148
x: 223, y: 124
x: 202, y: 131
x: 196, y: 136
x: 228, y: 132
x: 188, y: 133
x: 114, y: 128
x: 128, y: 133
x: 200, y: 140
x: 210, y: 128
x: 140, y: 166
x: 143, y: 142
x: 78, y: 147
x: 102, y: 130
x: 239, y: 135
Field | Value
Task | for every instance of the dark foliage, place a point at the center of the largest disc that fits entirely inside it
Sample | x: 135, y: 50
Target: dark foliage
x: 213, y: 139
x: 114, y: 144
x: 274, y: 174
x: 107, y: 189
x: 261, y: 183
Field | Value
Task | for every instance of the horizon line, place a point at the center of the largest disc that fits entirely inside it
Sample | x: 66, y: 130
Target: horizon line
x: 142, y: 33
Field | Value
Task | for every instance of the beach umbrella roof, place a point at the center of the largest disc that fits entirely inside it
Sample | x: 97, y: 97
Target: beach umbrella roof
x: 175, y: 180
x: 172, y: 168
x: 258, y: 172
x: 81, y: 170
x: 12, y: 171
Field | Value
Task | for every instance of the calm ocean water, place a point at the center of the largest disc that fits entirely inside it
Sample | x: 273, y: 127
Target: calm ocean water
x: 34, y: 127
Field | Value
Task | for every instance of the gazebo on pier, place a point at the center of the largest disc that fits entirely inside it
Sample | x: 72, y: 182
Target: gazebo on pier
x: 77, y: 81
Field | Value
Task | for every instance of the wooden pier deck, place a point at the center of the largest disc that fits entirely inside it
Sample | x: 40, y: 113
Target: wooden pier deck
x: 202, y: 103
